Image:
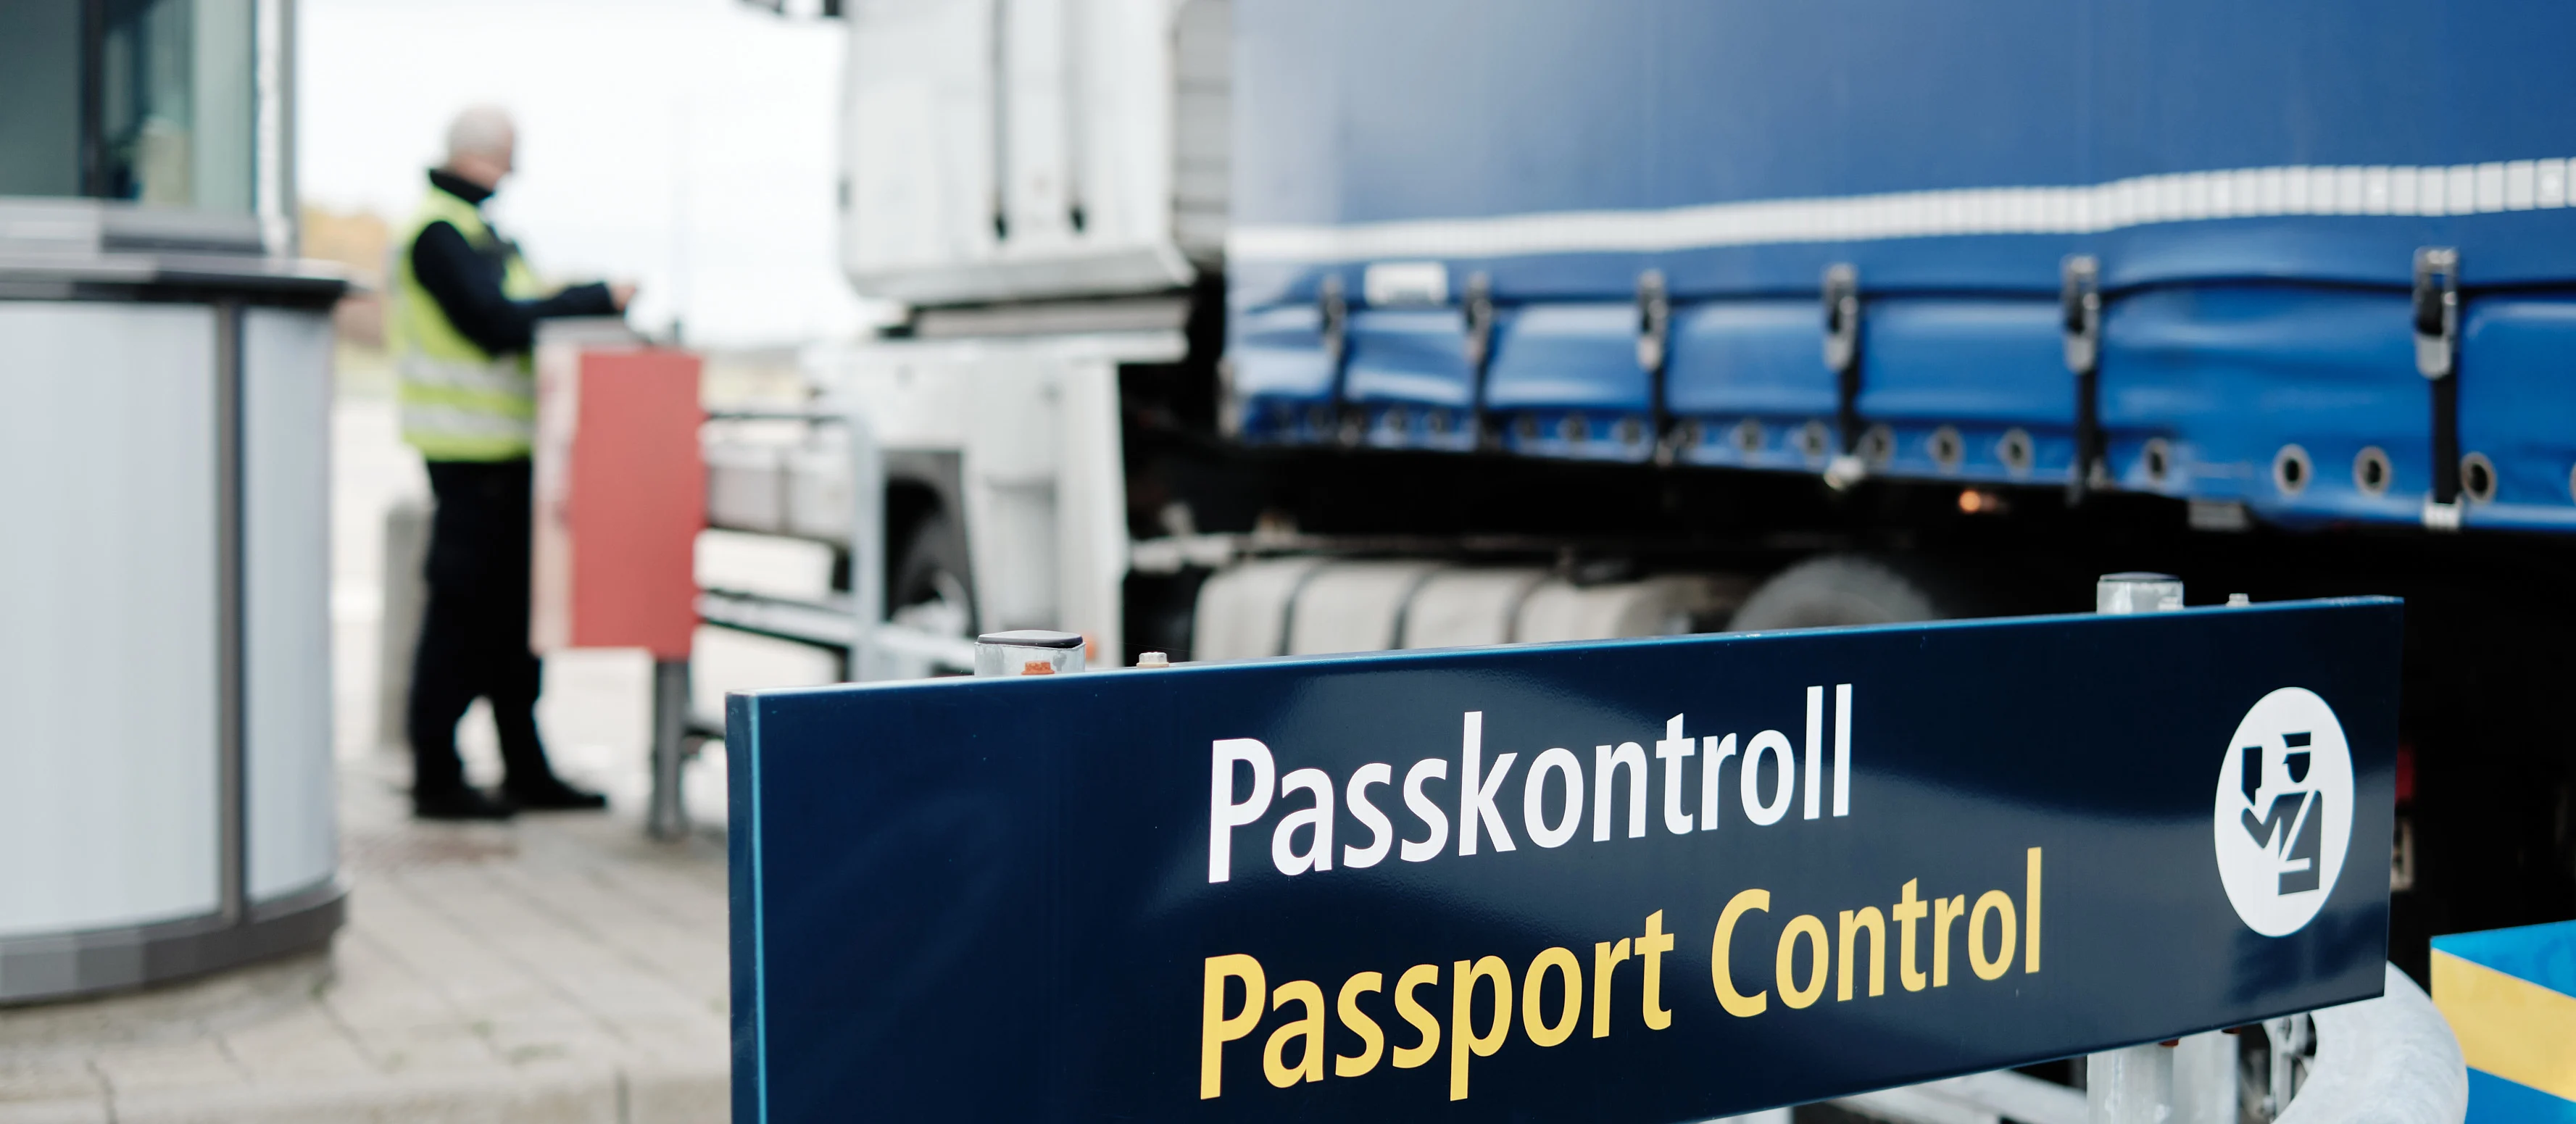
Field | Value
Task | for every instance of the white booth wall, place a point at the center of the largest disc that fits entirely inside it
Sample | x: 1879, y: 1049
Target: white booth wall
x: 292, y: 820
x: 115, y: 655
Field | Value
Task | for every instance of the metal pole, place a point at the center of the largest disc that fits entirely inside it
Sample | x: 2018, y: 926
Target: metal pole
x: 2130, y: 1085
x: 2189, y: 1080
x: 2134, y: 1084
x: 2287, y: 1037
x: 668, y: 816
x: 232, y: 625
x: 867, y: 541
x: 2204, y: 1079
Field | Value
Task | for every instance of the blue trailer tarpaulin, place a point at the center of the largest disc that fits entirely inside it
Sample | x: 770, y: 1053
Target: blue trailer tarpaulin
x: 2254, y: 190
x: 1645, y: 881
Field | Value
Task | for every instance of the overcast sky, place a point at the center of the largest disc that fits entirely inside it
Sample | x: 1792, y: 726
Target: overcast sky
x: 686, y: 144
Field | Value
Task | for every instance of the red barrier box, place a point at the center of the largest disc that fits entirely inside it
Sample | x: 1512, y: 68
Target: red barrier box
x: 620, y: 498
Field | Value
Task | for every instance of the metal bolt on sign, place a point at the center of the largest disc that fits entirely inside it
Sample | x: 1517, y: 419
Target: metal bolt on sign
x: 1028, y: 651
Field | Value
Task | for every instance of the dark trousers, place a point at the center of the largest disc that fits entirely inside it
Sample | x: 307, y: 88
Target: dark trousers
x: 474, y: 633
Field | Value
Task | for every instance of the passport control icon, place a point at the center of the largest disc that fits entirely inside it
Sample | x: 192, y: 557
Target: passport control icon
x: 2283, y: 818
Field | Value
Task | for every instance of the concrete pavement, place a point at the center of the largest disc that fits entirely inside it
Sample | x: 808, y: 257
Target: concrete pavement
x: 559, y: 968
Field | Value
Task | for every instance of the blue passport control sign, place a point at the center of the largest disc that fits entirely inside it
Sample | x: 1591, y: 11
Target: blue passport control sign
x: 1647, y: 881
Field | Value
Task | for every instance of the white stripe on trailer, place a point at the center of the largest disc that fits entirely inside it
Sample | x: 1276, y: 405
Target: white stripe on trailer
x: 2350, y: 190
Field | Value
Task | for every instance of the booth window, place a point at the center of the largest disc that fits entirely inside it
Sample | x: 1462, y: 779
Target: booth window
x: 152, y: 101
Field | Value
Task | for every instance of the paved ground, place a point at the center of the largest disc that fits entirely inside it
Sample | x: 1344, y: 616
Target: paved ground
x: 552, y: 969
x: 555, y: 968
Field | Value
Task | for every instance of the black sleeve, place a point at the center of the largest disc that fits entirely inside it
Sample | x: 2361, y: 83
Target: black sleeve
x: 575, y: 300
x: 467, y: 286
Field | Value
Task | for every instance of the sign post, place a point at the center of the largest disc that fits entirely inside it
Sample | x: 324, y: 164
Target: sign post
x: 2185, y: 1080
x: 1636, y: 881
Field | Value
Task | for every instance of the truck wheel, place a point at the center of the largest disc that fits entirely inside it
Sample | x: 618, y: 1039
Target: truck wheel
x: 927, y: 588
x: 1845, y: 589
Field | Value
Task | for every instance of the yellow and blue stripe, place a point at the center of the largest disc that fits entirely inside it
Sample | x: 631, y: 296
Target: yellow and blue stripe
x: 2510, y: 997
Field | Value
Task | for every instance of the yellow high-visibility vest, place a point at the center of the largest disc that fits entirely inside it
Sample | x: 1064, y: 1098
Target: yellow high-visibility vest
x: 459, y: 402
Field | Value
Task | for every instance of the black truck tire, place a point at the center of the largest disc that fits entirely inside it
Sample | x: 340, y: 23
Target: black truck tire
x: 1845, y: 589
x: 928, y: 583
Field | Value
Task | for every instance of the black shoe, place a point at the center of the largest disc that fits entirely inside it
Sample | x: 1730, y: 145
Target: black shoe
x: 553, y: 795
x: 459, y: 803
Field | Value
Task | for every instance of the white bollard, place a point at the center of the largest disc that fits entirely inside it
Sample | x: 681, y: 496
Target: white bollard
x: 2390, y: 1060
x: 406, y: 593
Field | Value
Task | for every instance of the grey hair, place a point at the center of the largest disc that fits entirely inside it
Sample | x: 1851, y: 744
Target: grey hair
x: 480, y: 130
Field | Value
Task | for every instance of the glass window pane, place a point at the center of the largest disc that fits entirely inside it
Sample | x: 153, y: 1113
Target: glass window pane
x: 177, y: 102
x: 40, y: 86
x: 226, y: 104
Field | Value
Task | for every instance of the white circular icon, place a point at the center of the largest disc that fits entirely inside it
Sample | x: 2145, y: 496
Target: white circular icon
x: 2284, y: 814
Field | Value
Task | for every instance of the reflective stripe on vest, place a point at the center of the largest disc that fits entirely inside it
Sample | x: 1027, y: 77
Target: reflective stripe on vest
x: 505, y: 378
x: 458, y: 401
x: 466, y: 411
x: 464, y: 434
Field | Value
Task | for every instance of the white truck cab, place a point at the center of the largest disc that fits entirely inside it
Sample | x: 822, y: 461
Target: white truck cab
x: 1043, y: 185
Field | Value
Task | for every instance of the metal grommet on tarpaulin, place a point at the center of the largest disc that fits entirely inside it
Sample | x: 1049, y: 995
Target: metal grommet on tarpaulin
x: 2371, y: 472
x: 1814, y: 441
x: 2292, y: 470
x: 2478, y: 477
x: 1946, y: 448
x: 1749, y: 440
x: 2016, y: 451
x: 1878, y: 445
x: 2155, y: 461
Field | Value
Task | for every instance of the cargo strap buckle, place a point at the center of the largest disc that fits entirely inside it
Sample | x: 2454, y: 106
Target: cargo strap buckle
x: 1654, y: 347
x: 2437, y: 351
x: 2080, y: 310
x: 1842, y: 357
x: 1334, y: 303
x: 1477, y: 303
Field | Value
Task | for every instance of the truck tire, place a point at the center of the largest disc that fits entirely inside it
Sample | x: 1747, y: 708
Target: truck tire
x: 1845, y: 589
x: 927, y: 586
